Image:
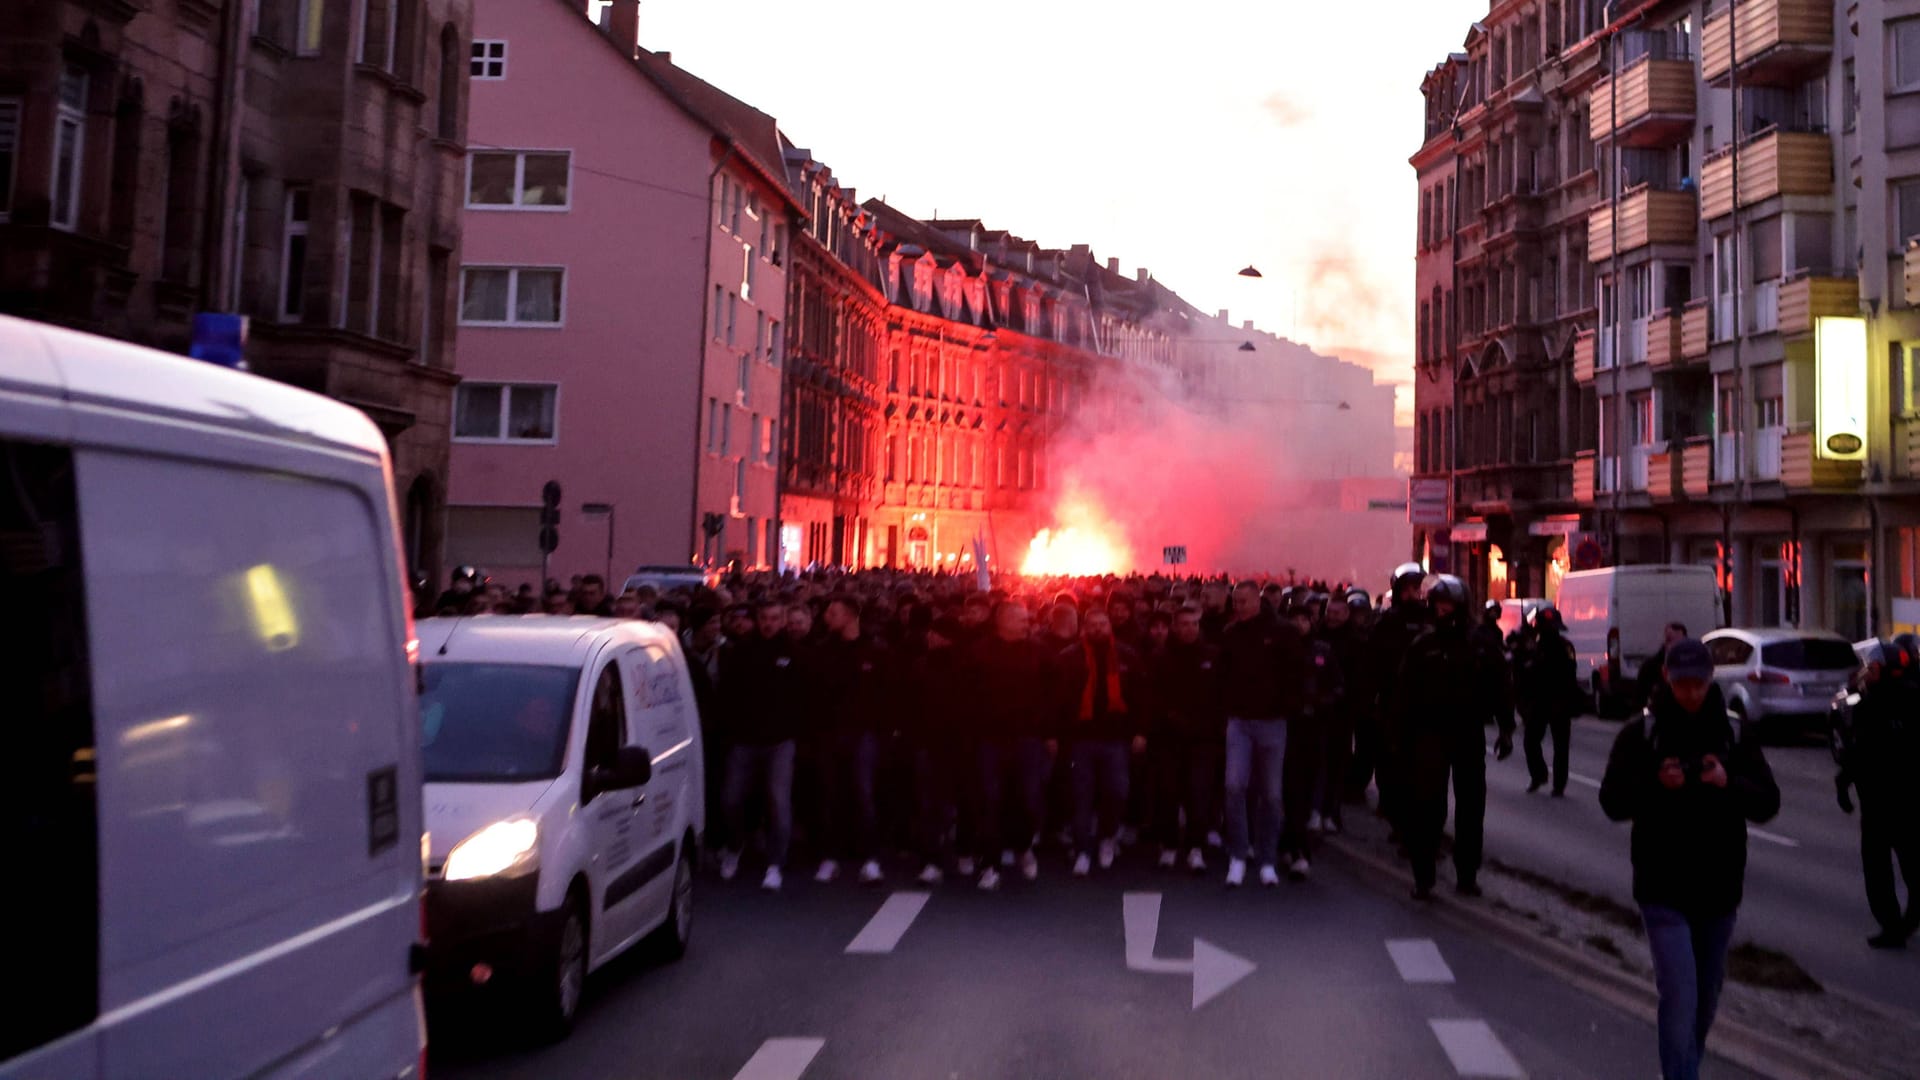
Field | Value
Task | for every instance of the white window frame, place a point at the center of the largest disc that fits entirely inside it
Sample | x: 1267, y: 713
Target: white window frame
x: 506, y: 411
x: 1894, y: 86
x: 520, y: 182
x: 513, y: 295
x: 484, y: 54
x: 74, y: 118
x: 289, y: 228
x: 12, y: 148
x: 746, y: 273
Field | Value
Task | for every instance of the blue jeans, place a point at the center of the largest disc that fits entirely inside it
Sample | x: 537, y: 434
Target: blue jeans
x: 849, y: 769
x: 1689, y: 964
x: 770, y: 769
x: 1101, y: 765
x: 1018, y: 764
x: 1255, y: 747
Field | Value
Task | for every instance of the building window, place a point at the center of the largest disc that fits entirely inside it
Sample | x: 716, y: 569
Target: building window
x: 733, y: 317
x: 719, y: 312
x: 293, y: 252
x: 237, y: 257
x: 505, y: 412
x: 307, y: 34
x: 180, y: 223
x: 69, y: 144
x: 512, y: 295
x: 1906, y: 210
x: 489, y: 60
x: 9, y: 151
x: 519, y: 180
x: 767, y: 453
x: 1905, y: 35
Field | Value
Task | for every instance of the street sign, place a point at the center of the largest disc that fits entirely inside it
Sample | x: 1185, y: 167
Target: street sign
x: 549, y: 539
x: 1427, y: 501
x: 1469, y: 532
x: 1175, y: 555
x: 550, y: 494
x: 1387, y: 504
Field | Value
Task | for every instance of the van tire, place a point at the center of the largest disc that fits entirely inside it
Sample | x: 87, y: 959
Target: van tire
x: 669, y: 942
x: 558, y: 989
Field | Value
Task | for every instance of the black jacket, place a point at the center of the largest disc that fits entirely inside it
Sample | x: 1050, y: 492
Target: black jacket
x: 1876, y: 740
x: 1689, y: 845
x: 1452, y: 683
x: 1011, y: 688
x: 854, y: 682
x: 1350, y: 649
x: 1111, y: 722
x: 1263, y: 669
x: 1392, y: 637
x: 939, y: 677
x: 1186, y: 692
x: 761, y: 694
x: 1547, y: 677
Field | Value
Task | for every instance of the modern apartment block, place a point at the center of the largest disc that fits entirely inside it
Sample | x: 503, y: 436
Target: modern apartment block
x: 622, y: 296
x: 293, y: 161
x: 1743, y: 380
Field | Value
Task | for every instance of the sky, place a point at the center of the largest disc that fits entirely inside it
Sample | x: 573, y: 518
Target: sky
x: 1191, y: 138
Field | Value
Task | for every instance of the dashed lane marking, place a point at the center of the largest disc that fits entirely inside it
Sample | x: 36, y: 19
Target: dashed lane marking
x: 1475, y: 1050
x: 1584, y: 781
x: 780, y: 1059
x: 1419, y: 961
x: 889, y: 924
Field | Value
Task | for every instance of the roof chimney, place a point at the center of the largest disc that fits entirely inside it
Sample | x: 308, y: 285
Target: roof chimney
x: 1113, y: 266
x: 1222, y: 316
x: 623, y: 26
x: 1143, y: 274
x: 1248, y: 325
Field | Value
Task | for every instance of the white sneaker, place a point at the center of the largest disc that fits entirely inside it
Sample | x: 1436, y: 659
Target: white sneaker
x: 870, y: 872
x: 1213, y: 839
x: 1300, y: 868
x: 829, y: 870
x: 1269, y: 876
x: 1006, y: 859
x: 1197, y: 861
x: 989, y: 879
x: 1029, y: 865
x: 1082, y: 866
x: 771, y: 882
x: 1315, y: 823
x: 1108, y: 851
x: 1236, y: 872
x: 729, y: 865
x: 932, y: 875
x: 1169, y: 858
x: 964, y: 866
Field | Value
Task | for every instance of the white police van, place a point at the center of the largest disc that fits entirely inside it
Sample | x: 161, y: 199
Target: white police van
x: 211, y: 809
x: 565, y: 797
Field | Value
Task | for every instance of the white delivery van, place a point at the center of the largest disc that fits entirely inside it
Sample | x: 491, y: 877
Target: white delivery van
x: 566, y: 799
x: 211, y: 807
x: 1616, y: 617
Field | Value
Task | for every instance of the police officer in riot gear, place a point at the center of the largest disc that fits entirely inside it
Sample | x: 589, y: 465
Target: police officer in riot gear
x: 1451, y: 685
x: 1547, y: 683
x: 1876, y: 742
x: 1374, y: 737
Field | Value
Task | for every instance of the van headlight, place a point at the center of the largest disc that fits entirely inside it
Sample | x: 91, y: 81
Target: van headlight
x: 504, y: 848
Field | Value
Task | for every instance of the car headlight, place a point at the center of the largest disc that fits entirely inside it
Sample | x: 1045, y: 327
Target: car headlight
x: 503, y: 848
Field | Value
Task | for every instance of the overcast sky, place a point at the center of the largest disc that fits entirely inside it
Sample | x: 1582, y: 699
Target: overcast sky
x: 1191, y: 138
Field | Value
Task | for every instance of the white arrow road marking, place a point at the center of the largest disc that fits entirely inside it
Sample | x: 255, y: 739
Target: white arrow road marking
x: 1214, y: 969
x: 889, y: 924
x: 1419, y: 961
x: 780, y: 1059
x: 1475, y: 1050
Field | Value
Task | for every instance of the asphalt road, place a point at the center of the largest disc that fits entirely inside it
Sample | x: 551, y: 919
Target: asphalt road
x: 1804, y: 892
x: 1035, y: 982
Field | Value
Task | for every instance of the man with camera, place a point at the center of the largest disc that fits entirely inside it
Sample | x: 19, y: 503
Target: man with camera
x: 1690, y: 782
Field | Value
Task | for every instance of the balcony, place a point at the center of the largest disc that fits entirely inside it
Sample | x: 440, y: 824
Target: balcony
x: 1647, y: 216
x: 1911, y: 433
x: 1583, y: 349
x: 1663, y: 341
x: 1583, y: 477
x: 1650, y: 103
x: 1639, y: 465
x: 1912, y: 273
x: 1769, y: 446
x: 1772, y: 163
x: 1779, y: 42
x: 1696, y: 467
x: 1804, y: 298
x: 1802, y: 470
x: 1696, y: 329
x: 1664, y: 481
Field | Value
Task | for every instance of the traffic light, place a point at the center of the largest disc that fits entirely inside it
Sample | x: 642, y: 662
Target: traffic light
x: 549, y: 517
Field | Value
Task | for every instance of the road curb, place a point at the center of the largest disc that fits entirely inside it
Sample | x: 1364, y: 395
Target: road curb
x: 1742, y: 1044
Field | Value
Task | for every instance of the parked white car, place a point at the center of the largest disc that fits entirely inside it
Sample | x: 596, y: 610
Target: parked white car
x: 1616, y: 617
x: 212, y: 800
x: 665, y: 578
x: 1781, y: 677
x: 565, y: 798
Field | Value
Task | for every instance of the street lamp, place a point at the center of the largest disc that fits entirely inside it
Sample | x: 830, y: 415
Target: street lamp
x: 597, y: 509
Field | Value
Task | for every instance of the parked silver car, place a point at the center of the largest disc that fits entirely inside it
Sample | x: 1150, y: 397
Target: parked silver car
x: 1781, y: 677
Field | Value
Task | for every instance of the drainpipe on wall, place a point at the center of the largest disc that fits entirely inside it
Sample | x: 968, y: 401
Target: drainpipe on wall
x: 1613, y: 242
x: 217, y: 245
x: 699, y: 390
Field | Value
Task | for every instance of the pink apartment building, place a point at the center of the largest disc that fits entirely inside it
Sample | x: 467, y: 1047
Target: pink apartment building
x: 622, y: 295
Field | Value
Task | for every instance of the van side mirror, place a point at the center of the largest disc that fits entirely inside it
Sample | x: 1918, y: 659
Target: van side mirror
x: 632, y: 767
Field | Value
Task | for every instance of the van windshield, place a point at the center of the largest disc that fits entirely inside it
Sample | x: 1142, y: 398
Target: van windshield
x: 1809, y: 654
x: 495, y: 723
